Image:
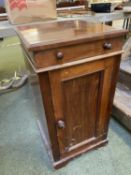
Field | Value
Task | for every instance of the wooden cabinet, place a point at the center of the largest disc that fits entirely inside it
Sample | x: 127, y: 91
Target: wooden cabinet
x: 77, y: 65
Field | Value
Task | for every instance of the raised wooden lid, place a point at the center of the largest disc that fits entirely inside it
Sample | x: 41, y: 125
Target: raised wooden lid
x: 61, y: 33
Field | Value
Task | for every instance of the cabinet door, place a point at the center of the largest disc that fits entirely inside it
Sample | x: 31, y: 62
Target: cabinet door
x: 82, y: 96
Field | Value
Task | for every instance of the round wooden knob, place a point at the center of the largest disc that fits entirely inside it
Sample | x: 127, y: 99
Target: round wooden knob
x: 59, y: 55
x: 61, y: 124
x: 107, y: 46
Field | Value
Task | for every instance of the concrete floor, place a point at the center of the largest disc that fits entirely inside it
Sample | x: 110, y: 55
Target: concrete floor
x: 21, y: 147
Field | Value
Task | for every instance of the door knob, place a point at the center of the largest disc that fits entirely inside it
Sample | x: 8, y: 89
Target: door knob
x: 59, y: 55
x: 61, y: 124
x: 107, y: 46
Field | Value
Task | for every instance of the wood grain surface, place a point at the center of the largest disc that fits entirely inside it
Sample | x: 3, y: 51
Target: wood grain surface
x: 56, y: 34
x: 77, y: 64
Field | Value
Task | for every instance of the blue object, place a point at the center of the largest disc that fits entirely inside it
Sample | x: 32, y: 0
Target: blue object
x: 2, y: 3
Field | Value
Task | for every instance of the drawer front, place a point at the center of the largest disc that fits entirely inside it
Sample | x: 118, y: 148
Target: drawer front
x: 67, y: 54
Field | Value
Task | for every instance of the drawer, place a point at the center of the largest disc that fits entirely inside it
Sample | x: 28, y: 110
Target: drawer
x: 71, y: 53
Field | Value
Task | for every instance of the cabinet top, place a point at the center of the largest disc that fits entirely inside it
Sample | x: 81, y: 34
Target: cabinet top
x: 62, y: 33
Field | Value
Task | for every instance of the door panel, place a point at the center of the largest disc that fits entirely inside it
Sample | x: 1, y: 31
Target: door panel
x: 80, y: 106
x: 80, y: 98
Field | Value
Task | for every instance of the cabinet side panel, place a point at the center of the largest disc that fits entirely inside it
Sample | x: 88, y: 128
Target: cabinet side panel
x: 47, y: 102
